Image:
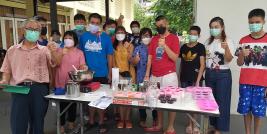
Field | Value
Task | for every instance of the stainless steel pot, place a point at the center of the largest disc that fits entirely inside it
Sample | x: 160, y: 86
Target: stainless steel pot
x: 72, y: 89
x: 81, y: 75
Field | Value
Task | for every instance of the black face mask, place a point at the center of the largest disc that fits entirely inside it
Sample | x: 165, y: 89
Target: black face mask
x: 44, y: 31
x: 161, y: 30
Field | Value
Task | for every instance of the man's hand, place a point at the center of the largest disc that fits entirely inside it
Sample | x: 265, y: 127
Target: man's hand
x: 83, y: 67
x: 161, y: 42
x: 52, y: 46
x: 3, y: 82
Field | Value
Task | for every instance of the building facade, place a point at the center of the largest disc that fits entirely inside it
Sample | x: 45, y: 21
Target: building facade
x: 14, y: 12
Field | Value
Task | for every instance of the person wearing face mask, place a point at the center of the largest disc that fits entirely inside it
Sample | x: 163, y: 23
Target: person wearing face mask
x: 162, y: 57
x: 109, y: 27
x: 55, y: 34
x: 79, y: 23
x: 122, y: 56
x: 27, y: 64
x: 139, y: 59
x: 134, y: 38
x: 192, y: 67
x: 43, y: 38
x: 98, y: 51
x: 66, y: 58
x: 253, y: 75
x: 219, y: 54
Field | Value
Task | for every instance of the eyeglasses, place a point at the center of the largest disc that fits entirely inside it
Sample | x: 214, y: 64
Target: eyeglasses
x: 33, y: 29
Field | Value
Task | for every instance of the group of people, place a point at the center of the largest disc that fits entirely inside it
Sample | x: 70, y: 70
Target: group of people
x: 36, y: 62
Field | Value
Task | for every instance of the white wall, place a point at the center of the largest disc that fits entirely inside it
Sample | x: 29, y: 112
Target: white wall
x: 234, y: 13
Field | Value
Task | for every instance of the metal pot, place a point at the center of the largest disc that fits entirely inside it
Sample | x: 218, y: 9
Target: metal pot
x: 72, y: 89
x: 81, y: 75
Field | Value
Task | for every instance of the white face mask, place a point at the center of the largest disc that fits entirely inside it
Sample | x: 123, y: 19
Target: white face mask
x: 146, y: 40
x: 68, y: 43
x: 135, y: 30
x: 120, y: 37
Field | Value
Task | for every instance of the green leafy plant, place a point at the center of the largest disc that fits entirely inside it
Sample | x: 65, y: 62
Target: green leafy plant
x: 178, y: 12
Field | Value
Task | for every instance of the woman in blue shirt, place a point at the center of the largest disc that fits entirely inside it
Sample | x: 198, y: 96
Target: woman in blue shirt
x: 139, y: 59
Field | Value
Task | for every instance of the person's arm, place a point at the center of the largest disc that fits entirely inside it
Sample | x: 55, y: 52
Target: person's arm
x: 83, y: 65
x: 201, y: 70
x: 109, y: 51
x: 130, y: 52
x: 240, y: 59
x: 148, y: 67
x: 110, y: 65
x: 54, y: 57
x: 6, y: 69
x: 135, y: 57
x: 227, y: 54
x: 57, y: 57
x: 5, y: 78
x: 173, y: 56
x: 172, y: 51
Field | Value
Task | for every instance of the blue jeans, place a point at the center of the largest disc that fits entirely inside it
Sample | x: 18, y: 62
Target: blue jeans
x: 221, y: 83
x: 29, y: 109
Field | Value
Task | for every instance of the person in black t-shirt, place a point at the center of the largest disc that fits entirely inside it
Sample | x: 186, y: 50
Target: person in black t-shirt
x: 134, y: 37
x: 192, y: 66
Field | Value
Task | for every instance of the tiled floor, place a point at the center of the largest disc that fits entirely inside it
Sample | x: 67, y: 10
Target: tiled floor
x: 50, y: 123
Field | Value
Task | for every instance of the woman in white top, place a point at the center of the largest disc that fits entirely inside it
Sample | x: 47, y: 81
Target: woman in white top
x: 219, y: 53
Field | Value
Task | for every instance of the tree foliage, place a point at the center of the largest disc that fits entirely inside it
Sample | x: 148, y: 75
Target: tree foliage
x: 178, y: 12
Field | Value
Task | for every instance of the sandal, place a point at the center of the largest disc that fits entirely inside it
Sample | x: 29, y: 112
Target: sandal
x: 189, y: 130
x: 155, y: 123
x: 128, y: 124
x: 102, y: 128
x: 196, y: 130
x: 153, y: 129
x: 169, y: 132
x: 142, y: 124
x: 120, y: 124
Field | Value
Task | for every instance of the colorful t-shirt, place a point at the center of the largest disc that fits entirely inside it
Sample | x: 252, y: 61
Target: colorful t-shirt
x: 74, y: 57
x: 254, y: 70
x: 215, y: 54
x: 96, y: 48
x: 161, y: 63
x: 190, y: 62
x: 142, y: 50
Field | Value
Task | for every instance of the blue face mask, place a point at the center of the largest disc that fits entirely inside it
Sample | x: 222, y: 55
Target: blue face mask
x: 93, y: 28
x: 32, y: 36
x: 193, y: 38
x: 79, y: 27
x: 255, y: 27
x: 215, y: 32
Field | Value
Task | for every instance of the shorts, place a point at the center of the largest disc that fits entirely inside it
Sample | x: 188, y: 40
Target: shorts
x: 252, y: 99
x: 170, y: 79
